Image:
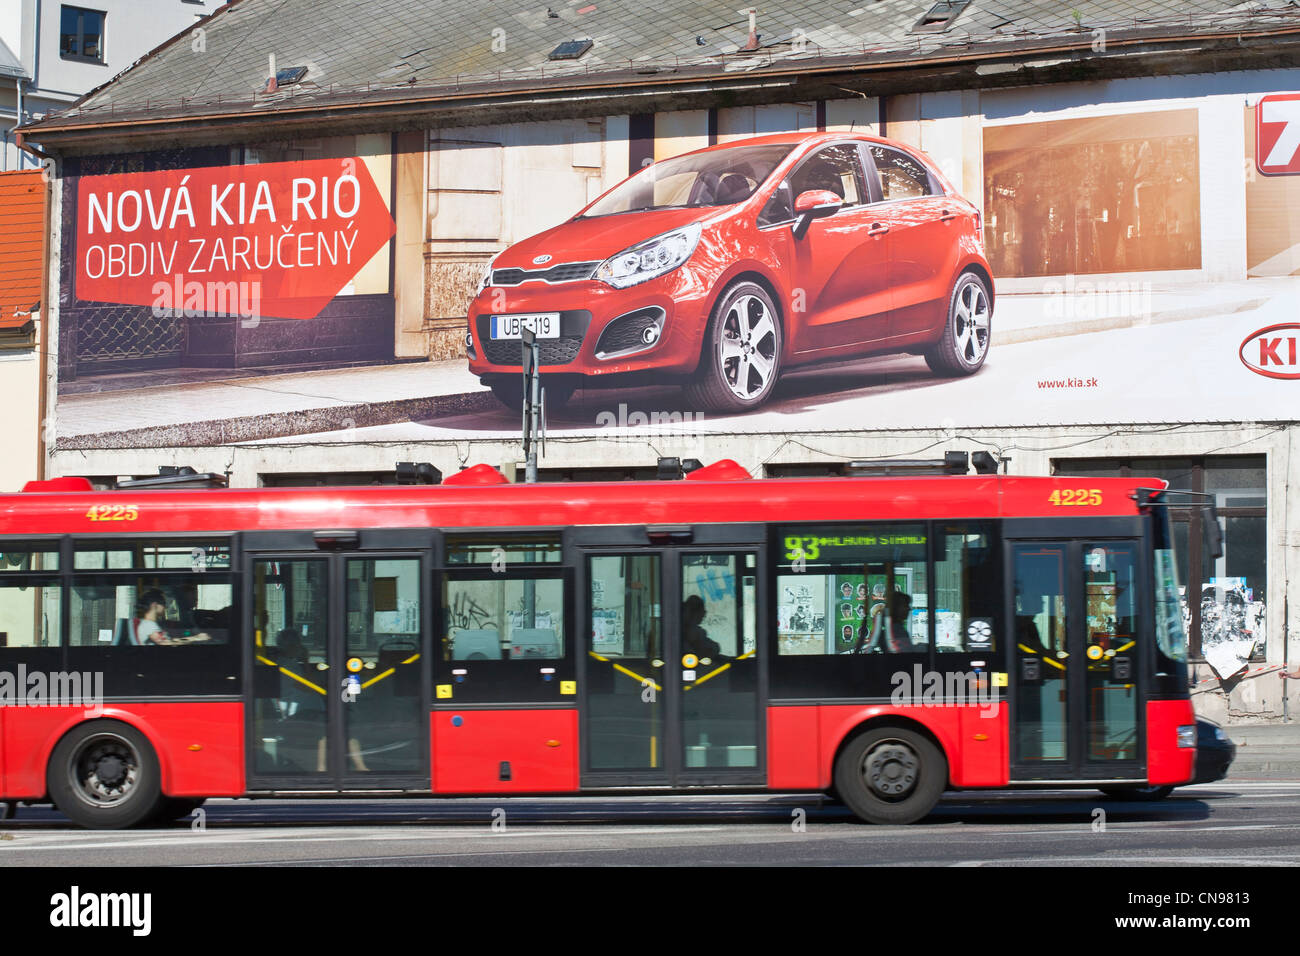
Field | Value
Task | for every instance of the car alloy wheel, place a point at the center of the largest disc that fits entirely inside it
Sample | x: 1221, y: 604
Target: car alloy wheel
x: 742, y: 351
x: 971, y: 323
x: 962, y: 348
x: 747, y: 350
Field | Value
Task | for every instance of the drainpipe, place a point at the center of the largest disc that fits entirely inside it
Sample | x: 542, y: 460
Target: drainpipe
x: 18, y: 121
x: 45, y: 342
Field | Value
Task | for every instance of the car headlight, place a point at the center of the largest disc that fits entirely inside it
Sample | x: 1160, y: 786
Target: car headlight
x: 486, y: 281
x: 1219, y: 734
x: 649, y: 259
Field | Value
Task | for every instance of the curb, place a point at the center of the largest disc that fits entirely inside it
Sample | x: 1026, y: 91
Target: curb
x: 280, y: 424
x: 1035, y: 333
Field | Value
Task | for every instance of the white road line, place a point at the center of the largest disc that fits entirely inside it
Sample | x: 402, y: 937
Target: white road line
x: 378, y: 836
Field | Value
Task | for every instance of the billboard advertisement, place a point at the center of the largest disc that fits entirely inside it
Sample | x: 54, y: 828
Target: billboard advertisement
x: 278, y: 239
x: 1127, y: 261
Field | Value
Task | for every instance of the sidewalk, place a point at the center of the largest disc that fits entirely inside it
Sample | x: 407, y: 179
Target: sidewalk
x: 1266, y: 749
x: 1086, y: 304
x: 267, y: 406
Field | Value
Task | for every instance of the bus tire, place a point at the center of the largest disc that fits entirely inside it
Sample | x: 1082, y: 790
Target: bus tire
x: 104, y: 775
x: 891, y: 775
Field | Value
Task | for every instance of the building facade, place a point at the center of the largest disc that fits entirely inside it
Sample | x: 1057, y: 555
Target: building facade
x: 51, y: 54
x: 1135, y: 175
x: 22, y: 331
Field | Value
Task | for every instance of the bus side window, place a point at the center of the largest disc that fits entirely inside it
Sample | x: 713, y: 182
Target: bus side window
x: 967, y: 587
x: 30, y: 608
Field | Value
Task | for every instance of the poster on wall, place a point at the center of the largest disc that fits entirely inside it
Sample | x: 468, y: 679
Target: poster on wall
x: 1067, y: 265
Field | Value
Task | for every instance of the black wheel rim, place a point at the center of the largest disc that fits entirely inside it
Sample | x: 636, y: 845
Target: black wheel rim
x: 105, y: 771
x: 891, y: 769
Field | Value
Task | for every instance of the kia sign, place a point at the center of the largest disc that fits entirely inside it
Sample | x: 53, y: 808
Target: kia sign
x: 281, y: 238
x: 1277, y: 134
x: 1273, y: 351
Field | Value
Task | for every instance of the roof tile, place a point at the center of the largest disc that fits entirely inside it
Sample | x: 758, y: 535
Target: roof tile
x: 351, y: 48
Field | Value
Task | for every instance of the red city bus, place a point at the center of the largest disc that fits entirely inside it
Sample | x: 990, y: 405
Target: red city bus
x: 883, y: 639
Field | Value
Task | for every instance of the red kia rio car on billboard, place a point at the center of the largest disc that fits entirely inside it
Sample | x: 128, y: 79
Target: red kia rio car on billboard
x: 724, y: 267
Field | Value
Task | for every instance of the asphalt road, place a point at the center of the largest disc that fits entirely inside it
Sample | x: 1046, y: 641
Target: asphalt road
x: 1231, y: 823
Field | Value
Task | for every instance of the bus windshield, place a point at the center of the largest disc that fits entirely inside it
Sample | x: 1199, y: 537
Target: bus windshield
x: 1171, y: 635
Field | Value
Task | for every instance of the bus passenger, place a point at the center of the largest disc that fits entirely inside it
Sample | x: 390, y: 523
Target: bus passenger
x: 874, y: 637
x: 695, y: 639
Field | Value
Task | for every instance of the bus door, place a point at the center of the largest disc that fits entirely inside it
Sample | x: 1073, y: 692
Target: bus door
x: 672, y: 687
x: 338, y: 635
x: 1077, y: 700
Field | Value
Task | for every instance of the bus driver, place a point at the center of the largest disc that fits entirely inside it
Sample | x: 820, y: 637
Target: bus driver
x: 146, y: 629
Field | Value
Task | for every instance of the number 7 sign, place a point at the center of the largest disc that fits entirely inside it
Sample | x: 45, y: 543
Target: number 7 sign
x: 1277, y: 134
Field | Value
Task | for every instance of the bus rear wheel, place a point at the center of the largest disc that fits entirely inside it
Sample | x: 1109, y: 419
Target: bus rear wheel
x: 105, y: 776
x: 891, y: 775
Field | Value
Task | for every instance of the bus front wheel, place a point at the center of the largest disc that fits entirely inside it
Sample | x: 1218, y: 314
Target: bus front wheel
x: 891, y: 775
x: 105, y: 776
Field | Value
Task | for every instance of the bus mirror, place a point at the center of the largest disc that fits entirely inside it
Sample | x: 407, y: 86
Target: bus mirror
x: 1212, y: 533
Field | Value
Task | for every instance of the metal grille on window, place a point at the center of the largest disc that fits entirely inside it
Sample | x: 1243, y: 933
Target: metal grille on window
x: 118, y: 333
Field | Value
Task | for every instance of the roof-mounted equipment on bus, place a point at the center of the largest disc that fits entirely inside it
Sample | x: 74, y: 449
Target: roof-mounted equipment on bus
x: 477, y: 475
x: 418, y: 473
x: 952, y: 463
x: 68, y: 483
x: 673, y: 469
x: 724, y: 469
x: 171, y: 477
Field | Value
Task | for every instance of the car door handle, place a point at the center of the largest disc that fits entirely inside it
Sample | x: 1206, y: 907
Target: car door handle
x: 878, y: 229
x: 946, y: 215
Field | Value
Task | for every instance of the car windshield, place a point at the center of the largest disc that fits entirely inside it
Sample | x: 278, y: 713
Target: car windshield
x: 715, y: 178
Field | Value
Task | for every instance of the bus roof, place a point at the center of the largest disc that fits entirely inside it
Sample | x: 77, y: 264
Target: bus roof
x: 549, y: 505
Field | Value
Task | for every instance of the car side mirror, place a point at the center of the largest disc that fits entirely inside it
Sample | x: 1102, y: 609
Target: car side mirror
x: 814, y: 204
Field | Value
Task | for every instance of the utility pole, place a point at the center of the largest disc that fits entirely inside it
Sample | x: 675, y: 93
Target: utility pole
x: 534, y: 427
x: 534, y: 430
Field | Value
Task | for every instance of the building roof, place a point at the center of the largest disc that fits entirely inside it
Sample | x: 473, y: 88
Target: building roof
x: 381, y: 51
x: 22, y: 227
x: 10, y: 65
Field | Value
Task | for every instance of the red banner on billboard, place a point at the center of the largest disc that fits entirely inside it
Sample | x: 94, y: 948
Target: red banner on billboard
x: 276, y: 239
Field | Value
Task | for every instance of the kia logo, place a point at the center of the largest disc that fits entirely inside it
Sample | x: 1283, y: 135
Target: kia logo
x: 1273, y: 351
x: 539, y: 260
